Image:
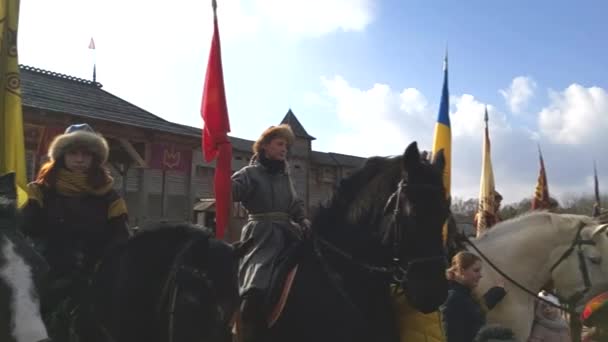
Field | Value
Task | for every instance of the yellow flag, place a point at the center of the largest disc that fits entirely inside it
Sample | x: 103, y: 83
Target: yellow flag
x: 486, y: 215
x: 12, y: 145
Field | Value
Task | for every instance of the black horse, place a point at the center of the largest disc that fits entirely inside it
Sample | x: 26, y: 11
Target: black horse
x: 22, y: 272
x: 383, y: 226
x: 170, y: 282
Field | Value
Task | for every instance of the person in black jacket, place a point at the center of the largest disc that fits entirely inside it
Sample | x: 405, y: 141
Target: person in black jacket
x: 74, y: 216
x: 463, y: 315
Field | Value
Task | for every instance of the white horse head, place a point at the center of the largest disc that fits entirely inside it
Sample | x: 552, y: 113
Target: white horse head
x: 20, y: 318
x: 569, y: 251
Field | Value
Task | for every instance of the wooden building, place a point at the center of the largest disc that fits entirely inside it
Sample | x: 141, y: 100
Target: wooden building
x: 157, y: 164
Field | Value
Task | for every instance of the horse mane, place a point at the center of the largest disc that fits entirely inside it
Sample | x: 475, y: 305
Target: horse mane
x: 523, y: 221
x: 168, y: 230
x: 357, y: 197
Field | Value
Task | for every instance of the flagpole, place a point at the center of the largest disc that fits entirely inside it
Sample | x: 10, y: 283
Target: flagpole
x: 596, y: 189
x: 93, y: 54
x: 215, y: 142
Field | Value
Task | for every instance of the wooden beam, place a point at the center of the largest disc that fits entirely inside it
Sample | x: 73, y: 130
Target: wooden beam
x: 133, y: 153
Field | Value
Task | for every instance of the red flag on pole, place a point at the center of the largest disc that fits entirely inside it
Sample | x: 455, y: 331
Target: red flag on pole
x: 215, y: 142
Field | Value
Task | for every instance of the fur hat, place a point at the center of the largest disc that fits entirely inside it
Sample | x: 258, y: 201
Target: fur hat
x: 79, y: 136
x: 280, y: 131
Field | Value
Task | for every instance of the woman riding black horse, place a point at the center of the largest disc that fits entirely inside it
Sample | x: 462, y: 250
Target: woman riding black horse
x: 266, y: 189
x: 383, y: 226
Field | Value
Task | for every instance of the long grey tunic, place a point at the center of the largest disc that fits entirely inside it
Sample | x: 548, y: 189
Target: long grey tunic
x: 272, y: 204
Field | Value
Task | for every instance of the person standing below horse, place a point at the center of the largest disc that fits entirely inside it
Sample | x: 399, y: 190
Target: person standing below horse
x: 463, y: 315
x: 276, y: 220
x: 549, y: 325
x: 73, y: 215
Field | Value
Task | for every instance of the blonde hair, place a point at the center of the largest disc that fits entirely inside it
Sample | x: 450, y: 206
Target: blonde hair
x: 460, y: 261
x: 272, y: 132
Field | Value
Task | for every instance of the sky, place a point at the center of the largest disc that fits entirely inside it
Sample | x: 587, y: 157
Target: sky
x: 364, y: 77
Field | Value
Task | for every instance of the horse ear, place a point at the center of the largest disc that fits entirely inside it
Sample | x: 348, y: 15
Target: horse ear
x: 411, y: 156
x: 439, y: 160
x: 242, y: 247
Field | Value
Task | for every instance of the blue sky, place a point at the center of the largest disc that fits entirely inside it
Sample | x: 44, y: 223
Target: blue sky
x: 364, y: 77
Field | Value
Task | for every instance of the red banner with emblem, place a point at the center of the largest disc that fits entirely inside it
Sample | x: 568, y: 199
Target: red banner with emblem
x: 171, y: 158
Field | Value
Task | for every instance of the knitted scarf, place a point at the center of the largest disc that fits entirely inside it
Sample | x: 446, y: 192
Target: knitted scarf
x: 75, y: 184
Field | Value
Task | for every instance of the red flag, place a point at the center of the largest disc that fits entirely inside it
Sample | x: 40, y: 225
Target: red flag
x: 541, y: 194
x: 215, y: 131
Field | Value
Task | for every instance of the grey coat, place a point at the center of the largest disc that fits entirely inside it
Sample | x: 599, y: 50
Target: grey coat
x: 547, y: 329
x: 274, y: 210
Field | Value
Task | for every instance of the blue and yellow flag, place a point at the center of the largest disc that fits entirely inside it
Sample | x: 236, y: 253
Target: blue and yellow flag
x: 12, y: 146
x: 414, y: 325
x: 443, y: 134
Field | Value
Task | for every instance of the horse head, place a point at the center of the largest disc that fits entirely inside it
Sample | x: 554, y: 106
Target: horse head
x: 579, y: 267
x: 206, y: 295
x: 20, y: 318
x: 419, y: 209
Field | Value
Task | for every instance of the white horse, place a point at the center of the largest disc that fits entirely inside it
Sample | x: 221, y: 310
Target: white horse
x: 20, y: 318
x: 537, y: 248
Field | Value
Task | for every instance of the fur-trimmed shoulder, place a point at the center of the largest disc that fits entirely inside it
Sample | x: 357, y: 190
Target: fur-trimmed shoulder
x: 117, y: 205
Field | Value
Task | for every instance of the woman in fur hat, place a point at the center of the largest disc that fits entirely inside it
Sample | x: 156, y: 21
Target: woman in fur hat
x: 276, y: 219
x: 74, y: 215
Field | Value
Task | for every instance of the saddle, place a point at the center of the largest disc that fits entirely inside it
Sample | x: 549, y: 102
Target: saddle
x: 284, y: 270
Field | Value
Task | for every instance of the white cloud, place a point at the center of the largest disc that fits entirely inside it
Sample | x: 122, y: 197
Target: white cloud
x: 468, y: 117
x: 519, y: 93
x: 381, y: 121
x: 154, y: 53
x: 377, y: 120
x: 577, y: 116
x: 317, y: 17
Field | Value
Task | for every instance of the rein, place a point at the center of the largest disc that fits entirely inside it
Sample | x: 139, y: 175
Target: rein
x: 396, y: 270
x: 170, y: 288
x: 577, y: 243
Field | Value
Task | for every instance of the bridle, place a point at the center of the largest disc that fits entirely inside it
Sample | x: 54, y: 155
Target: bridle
x: 399, y: 221
x: 170, y: 290
x: 400, y: 273
x: 576, y: 246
